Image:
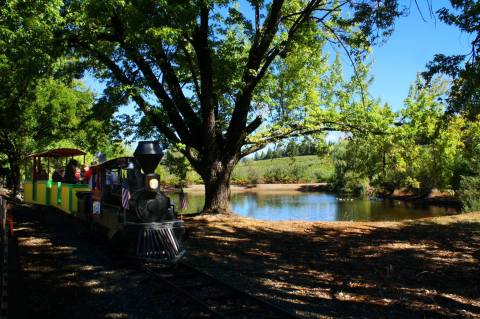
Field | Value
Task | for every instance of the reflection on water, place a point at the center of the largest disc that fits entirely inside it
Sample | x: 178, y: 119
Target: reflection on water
x: 316, y: 207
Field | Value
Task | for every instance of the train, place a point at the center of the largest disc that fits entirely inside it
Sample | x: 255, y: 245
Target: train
x: 121, y: 198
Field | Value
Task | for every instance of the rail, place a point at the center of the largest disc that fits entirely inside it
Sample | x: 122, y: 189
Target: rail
x: 208, y: 297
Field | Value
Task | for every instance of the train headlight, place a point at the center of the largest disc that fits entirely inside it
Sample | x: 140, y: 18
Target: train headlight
x: 152, y: 182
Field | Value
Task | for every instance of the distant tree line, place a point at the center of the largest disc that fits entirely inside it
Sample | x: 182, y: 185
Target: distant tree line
x: 292, y: 148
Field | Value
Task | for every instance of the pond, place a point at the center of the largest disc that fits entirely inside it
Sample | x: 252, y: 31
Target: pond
x: 314, y: 206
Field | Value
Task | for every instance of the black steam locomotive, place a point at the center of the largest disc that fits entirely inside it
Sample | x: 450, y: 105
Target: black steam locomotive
x: 126, y: 202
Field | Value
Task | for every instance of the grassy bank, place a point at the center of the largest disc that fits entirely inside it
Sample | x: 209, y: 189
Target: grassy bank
x: 297, y: 169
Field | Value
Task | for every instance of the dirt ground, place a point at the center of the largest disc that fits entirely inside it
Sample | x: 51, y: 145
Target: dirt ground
x: 427, y: 268
x: 65, y: 271
x: 415, y: 269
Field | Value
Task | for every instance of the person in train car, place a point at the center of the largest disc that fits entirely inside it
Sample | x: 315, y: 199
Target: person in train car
x: 37, y: 170
x: 70, y: 171
x: 77, y: 175
x: 109, y: 177
x: 57, y: 175
x: 86, y: 174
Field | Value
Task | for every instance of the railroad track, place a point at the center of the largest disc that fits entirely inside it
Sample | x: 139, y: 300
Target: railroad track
x: 204, y: 296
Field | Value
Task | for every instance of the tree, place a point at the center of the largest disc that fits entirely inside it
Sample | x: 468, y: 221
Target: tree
x: 197, y: 69
x: 53, y: 112
x: 40, y: 102
x: 23, y: 33
x: 417, y: 151
x: 464, y: 69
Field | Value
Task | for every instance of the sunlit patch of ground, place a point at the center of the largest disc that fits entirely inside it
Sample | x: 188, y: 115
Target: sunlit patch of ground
x: 413, y: 269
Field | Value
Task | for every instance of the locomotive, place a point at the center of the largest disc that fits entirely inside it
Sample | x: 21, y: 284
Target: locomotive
x: 123, y: 200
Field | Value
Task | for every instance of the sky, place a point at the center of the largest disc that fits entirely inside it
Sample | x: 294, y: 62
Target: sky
x: 397, y: 62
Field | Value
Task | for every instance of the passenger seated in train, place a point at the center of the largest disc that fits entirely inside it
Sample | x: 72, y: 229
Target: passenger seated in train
x: 78, y: 175
x: 40, y: 173
x: 57, y: 175
x: 70, y: 172
x: 85, y: 174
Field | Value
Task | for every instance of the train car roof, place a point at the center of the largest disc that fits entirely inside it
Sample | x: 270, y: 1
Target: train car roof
x: 59, y: 152
x: 119, y: 162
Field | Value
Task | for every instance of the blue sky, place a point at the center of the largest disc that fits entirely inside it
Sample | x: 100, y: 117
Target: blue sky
x: 396, y: 62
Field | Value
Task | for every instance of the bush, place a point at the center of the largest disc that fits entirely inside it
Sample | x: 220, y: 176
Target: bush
x: 275, y: 175
x: 238, y: 179
x: 323, y: 176
x: 354, y: 184
x: 297, y: 172
x: 291, y: 174
x: 469, y: 193
x: 252, y: 176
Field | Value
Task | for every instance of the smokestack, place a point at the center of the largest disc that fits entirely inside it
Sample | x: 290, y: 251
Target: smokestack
x: 148, y: 155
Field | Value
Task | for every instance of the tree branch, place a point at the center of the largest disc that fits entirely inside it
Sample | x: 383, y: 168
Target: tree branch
x: 204, y: 59
x: 172, y: 112
x: 174, y: 86
x: 260, y: 46
x: 136, y: 96
x: 191, y: 66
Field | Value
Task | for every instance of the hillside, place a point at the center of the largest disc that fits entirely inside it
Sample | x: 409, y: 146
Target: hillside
x: 309, y: 168
x: 297, y: 169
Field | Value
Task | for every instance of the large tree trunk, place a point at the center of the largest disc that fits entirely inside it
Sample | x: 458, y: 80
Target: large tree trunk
x: 216, y: 178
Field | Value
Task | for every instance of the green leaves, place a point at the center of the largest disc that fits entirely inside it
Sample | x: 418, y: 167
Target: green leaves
x: 41, y: 103
x: 419, y: 148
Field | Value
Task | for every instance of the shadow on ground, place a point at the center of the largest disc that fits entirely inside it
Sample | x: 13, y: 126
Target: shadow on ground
x: 66, y: 272
x: 416, y: 270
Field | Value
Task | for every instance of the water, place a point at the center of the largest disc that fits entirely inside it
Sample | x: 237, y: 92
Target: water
x: 277, y: 206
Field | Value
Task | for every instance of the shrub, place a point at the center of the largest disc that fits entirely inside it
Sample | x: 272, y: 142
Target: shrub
x: 297, y: 172
x: 275, y: 175
x: 469, y: 193
x: 288, y: 174
x: 323, y: 176
x: 355, y: 184
x: 238, y: 179
x: 253, y: 177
